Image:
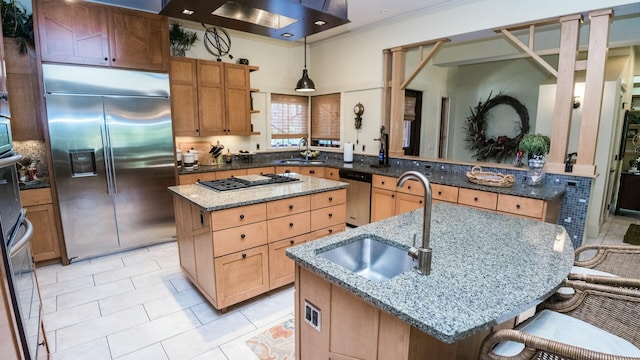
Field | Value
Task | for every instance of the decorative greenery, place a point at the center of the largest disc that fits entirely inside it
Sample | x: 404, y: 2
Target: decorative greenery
x: 502, y: 147
x: 17, y: 24
x: 535, y: 145
x: 181, y: 40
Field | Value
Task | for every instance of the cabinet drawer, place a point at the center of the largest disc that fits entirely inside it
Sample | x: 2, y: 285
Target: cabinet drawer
x: 241, y: 276
x: 317, y: 171
x: 239, y: 238
x: 331, y: 173
x: 244, y: 215
x: 36, y: 197
x: 384, y: 182
x: 189, y: 179
x: 315, y: 235
x: 520, y: 206
x: 328, y: 198
x: 287, y: 169
x: 329, y: 216
x: 412, y: 187
x: 290, y: 206
x: 230, y: 173
x: 261, y: 170
x: 477, y: 198
x: 444, y: 193
x: 288, y: 226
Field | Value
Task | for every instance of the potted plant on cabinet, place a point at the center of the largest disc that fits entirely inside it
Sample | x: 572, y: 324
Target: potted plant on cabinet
x: 181, y: 40
x: 17, y: 24
x: 536, y: 146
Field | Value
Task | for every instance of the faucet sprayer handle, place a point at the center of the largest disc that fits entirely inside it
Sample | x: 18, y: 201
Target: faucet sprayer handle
x: 414, y: 239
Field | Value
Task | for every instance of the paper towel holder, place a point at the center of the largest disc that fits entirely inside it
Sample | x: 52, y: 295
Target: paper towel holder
x: 358, y: 110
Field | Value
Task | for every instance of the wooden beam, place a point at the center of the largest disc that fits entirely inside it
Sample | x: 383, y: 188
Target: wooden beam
x: 581, y: 65
x: 529, y: 51
x: 532, y: 36
x: 594, y: 84
x: 434, y: 50
x: 396, y: 128
x: 561, y: 121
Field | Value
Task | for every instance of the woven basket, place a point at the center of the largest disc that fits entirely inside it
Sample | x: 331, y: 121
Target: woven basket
x: 477, y: 176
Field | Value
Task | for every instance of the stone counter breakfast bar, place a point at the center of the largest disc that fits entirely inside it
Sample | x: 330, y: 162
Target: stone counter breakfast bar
x: 486, y: 269
x: 232, y: 243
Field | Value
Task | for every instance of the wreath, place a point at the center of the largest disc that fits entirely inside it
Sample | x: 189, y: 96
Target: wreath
x: 501, y: 147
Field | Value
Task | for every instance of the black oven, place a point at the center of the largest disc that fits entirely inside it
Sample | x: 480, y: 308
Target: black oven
x: 5, y: 136
x: 10, y: 205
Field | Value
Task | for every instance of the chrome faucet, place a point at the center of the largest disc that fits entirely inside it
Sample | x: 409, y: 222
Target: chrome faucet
x: 422, y: 254
x: 306, y: 143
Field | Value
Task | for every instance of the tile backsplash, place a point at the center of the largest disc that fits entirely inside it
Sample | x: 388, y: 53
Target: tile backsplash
x: 36, y: 150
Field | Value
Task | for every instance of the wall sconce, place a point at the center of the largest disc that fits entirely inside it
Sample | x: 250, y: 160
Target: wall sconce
x: 576, y: 102
x: 358, y: 110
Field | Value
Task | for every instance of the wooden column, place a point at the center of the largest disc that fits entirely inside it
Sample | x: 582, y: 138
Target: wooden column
x: 387, y: 69
x: 592, y: 103
x: 399, y: 57
x: 570, y: 26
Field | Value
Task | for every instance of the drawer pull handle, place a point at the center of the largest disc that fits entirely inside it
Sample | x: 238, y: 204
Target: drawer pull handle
x: 409, y: 187
x: 517, y: 206
x: 330, y: 231
x: 420, y: 201
x: 106, y: 59
x: 241, y: 216
x: 383, y: 183
x: 242, y: 236
x: 287, y: 171
x: 475, y: 199
x: 290, y: 224
x: 330, y: 215
x: 330, y: 199
x: 292, y: 242
x: 393, y: 196
x: 439, y: 192
x: 244, y: 256
x: 290, y: 207
x: 201, y: 218
x: 312, y: 171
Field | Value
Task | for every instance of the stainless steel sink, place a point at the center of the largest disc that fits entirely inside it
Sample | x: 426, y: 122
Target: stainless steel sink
x: 371, y: 258
x: 299, y: 162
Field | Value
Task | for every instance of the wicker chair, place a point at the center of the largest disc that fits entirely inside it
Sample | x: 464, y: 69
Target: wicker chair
x: 614, y: 309
x: 620, y: 260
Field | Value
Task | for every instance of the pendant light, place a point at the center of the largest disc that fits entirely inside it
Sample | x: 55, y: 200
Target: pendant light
x: 305, y: 84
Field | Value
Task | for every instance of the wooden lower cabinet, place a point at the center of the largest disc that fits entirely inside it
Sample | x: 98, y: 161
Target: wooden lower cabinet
x: 383, y: 204
x: 351, y: 328
x: 234, y: 254
x: 45, y: 243
x: 406, y: 203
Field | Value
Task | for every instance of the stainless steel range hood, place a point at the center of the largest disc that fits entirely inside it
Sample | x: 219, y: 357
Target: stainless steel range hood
x: 282, y: 19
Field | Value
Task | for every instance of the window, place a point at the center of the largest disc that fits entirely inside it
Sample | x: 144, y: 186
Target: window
x: 325, y: 120
x: 289, y: 118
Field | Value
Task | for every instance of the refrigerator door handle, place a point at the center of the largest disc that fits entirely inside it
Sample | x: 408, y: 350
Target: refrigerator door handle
x: 108, y: 159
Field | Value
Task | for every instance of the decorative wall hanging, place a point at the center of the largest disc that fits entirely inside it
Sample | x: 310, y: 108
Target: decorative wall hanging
x: 217, y: 42
x: 503, y: 146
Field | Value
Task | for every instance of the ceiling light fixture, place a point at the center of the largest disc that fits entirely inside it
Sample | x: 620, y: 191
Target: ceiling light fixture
x: 287, y: 35
x: 320, y: 22
x: 187, y: 12
x: 305, y: 84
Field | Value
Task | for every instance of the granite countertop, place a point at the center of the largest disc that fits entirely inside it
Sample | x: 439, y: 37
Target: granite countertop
x: 487, y: 268
x: 434, y: 175
x: 212, y: 200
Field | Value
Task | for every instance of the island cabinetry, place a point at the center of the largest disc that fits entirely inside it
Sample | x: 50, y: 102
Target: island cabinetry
x: 209, y: 98
x: 351, y: 328
x: 93, y: 34
x: 45, y: 243
x: 237, y: 253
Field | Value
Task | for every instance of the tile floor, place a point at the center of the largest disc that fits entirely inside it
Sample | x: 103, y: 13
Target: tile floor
x: 138, y: 305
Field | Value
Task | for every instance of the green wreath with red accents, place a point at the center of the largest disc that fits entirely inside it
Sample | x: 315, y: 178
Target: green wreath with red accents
x: 496, y: 148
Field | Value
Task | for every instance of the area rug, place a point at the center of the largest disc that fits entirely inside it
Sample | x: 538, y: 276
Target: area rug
x: 633, y: 235
x: 275, y: 343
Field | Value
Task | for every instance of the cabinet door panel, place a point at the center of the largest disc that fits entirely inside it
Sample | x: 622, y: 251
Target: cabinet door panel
x: 383, y: 204
x: 238, y: 116
x: 205, y: 272
x: 186, y: 252
x: 406, y: 203
x: 211, y: 97
x: 184, y: 97
x: 281, y: 267
x: 242, y: 275
x: 73, y: 32
x: 138, y: 40
x: 44, y: 243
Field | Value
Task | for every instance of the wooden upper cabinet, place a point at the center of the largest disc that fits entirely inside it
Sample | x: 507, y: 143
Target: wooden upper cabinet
x: 73, y: 32
x: 211, y: 97
x: 184, y: 96
x: 138, y: 40
x: 93, y: 34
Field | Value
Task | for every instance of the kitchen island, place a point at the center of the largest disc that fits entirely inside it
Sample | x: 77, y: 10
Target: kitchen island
x: 232, y: 243
x: 487, y: 268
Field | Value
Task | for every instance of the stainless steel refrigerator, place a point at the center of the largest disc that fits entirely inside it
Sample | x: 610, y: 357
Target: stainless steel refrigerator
x: 112, y: 150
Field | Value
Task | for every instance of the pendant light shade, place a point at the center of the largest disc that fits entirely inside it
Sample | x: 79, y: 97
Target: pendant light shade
x: 305, y: 84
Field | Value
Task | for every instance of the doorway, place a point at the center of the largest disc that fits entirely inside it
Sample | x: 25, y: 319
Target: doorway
x: 444, y: 128
x: 412, y: 122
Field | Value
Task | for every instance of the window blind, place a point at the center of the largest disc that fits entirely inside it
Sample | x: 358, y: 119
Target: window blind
x: 325, y: 117
x: 289, y: 116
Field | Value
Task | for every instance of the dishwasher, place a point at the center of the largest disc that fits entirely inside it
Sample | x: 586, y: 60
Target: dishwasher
x: 358, y: 196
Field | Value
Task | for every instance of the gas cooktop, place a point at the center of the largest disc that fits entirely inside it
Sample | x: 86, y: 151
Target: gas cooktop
x: 246, y: 181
